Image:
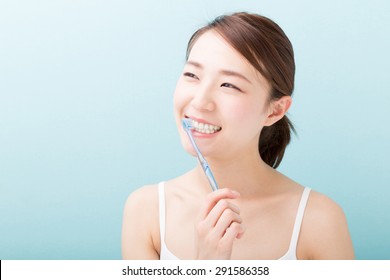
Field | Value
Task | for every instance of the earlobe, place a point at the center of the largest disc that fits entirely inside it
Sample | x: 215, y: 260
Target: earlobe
x: 278, y: 109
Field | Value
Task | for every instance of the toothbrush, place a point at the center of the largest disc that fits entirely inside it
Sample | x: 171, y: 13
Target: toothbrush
x: 187, y: 125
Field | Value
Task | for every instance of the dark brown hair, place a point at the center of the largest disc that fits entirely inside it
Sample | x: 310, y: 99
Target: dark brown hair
x: 264, y: 44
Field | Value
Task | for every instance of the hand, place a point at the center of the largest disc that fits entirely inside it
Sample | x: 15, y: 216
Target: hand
x: 219, y: 223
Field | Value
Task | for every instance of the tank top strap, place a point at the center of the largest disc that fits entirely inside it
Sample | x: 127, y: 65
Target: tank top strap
x: 298, y: 220
x: 161, y: 207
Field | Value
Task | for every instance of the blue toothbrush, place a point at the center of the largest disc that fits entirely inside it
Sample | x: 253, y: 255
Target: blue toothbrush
x: 187, y: 125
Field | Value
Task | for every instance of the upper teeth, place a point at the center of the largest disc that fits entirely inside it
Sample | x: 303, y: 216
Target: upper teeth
x: 205, y: 128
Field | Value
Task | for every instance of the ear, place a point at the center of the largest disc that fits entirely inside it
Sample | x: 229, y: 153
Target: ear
x: 278, y: 109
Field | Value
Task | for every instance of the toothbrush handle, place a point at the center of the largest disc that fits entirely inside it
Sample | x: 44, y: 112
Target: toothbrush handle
x: 210, y: 176
x: 204, y: 163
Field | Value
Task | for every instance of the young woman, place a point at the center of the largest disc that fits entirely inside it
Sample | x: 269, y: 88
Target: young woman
x: 236, y: 85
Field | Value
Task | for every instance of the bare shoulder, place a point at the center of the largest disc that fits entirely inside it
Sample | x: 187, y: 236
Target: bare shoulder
x: 145, y: 197
x: 321, y: 207
x: 325, y: 233
x: 140, y: 231
x: 142, y: 203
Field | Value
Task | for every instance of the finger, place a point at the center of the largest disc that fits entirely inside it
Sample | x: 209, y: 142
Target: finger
x: 236, y: 230
x: 213, y: 198
x: 227, y: 218
x: 229, y: 211
x: 219, y: 209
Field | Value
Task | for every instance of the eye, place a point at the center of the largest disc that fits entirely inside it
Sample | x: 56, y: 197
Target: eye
x: 190, y: 75
x: 227, y: 85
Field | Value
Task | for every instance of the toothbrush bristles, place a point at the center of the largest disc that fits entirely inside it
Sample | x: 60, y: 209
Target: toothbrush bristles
x: 187, y: 123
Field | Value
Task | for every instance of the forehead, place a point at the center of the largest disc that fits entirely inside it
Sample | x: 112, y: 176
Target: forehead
x: 214, y: 52
x: 211, y: 49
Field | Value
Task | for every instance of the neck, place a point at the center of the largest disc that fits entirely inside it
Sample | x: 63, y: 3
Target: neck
x: 248, y: 175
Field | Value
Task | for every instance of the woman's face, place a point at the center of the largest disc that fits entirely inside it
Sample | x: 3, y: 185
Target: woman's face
x: 225, y: 95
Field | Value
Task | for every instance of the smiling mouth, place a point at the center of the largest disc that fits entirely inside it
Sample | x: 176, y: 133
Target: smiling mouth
x: 205, y: 127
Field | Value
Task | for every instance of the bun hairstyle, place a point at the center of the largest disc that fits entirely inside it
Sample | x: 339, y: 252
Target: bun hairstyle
x: 264, y: 44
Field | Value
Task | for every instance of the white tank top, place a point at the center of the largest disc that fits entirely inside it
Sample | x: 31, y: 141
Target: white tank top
x: 165, y: 254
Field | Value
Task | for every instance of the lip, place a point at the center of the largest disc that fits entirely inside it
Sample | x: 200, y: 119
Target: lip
x: 198, y: 134
x: 200, y: 120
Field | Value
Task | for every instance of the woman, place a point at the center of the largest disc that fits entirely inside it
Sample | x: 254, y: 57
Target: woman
x: 236, y: 86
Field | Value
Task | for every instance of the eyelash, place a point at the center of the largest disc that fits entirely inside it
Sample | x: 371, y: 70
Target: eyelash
x: 227, y: 85
x: 189, y: 74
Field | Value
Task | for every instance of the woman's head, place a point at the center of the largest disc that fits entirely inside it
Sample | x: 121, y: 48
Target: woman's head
x: 263, y: 44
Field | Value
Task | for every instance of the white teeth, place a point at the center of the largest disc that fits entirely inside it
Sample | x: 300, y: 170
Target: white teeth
x: 205, y: 128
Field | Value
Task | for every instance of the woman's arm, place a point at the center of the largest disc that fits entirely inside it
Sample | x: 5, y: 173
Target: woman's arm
x: 140, y: 221
x: 325, y: 231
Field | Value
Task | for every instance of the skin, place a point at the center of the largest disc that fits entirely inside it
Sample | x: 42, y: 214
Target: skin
x: 252, y: 215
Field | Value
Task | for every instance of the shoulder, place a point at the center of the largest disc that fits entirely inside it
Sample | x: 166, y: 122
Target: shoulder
x: 146, y: 196
x: 140, y: 227
x: 325, y: 233
x: 321, y: 206
x: 142, y: 206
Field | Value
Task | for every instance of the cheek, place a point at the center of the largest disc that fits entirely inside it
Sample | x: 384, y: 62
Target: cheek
x: 246, y: 114
x: 179, y: 98
x: 180, y: 101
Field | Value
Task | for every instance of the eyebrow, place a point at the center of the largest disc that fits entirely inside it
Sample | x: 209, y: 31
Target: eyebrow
x: 223, y: 71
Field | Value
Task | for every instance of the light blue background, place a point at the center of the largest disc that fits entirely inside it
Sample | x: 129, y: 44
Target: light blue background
x: 86, y: 114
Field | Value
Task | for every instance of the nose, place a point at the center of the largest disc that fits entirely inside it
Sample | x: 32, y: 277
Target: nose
x: 203, y: 100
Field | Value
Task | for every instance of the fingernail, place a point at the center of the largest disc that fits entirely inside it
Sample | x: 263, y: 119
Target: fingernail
x: 236, y: 193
